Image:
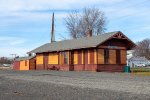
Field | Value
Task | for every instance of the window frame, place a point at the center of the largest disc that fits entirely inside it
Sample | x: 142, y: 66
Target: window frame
x: 65, y: 57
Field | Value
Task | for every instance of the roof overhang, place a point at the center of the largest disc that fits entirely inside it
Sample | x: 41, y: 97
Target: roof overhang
x: 119, y: 35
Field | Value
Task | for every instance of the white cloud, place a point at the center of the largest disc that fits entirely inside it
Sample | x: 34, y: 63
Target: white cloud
x: 17, y: 42
x: 15, y: 13
x: 13, y: 5
x: 115, y: 13
x: 4, y: 41
x: 17, y: 7
x: 7, y: 51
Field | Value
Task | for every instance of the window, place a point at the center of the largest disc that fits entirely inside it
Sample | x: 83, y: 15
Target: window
x: 123, y: 56
x: 75, y: 57
x: 100, y: 56
x: 112, y: 56
x: 106, y: 56
x: 39, y: 59
x: 64, y: 57
x: 53, y: 58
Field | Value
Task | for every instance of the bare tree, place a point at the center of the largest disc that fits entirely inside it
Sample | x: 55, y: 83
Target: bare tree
x: 5, y: 60
x: 143, y: 49
x: 79, y: 23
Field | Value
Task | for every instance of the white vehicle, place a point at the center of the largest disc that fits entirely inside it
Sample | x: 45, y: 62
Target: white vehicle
x: 140, y: 65
x: 6, y: 65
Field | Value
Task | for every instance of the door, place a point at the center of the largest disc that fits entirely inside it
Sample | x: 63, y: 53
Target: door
x: 45, y: 61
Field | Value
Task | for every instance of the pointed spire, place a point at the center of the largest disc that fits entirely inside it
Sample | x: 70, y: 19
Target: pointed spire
x: 52, y: 32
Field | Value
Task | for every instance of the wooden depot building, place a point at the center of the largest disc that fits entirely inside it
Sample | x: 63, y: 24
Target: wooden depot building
x: 25, y: 63
x: 105, y: 52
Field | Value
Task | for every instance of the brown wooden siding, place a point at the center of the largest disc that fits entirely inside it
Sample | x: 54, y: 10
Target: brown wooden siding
x: 16, y: 65
x: 85, y: 57
x: 108, y: 47
x: 88, y: 56
x: 91, y: 67
x: 40, y: 67
x: 91, y: 56
x: 110, y: 68
x: 70, y: 57
x: 115, y: 42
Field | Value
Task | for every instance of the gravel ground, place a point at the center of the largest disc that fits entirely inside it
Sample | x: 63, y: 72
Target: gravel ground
x: 65, y: 85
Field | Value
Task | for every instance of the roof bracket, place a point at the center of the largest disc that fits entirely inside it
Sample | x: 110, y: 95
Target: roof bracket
x: 119, y: 36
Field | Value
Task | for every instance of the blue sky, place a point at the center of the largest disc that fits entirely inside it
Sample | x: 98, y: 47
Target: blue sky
x: 26, y: 24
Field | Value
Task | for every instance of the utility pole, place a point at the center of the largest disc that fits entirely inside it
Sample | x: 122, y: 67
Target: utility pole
x: 13, y: 55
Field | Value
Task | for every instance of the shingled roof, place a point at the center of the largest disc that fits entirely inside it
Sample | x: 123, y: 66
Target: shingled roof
x: 85, y: 42
x: 24, y: 58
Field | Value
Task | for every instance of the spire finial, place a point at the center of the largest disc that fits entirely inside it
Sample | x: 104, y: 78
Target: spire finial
x: 52, y: 32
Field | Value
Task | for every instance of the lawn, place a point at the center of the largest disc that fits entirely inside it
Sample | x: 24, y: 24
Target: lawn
x: 141, y: 71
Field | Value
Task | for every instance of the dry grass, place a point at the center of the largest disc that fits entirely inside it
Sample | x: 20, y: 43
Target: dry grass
x: 5, y: 68
x: 142, y: 73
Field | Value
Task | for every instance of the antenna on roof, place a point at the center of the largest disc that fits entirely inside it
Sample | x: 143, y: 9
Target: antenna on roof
x: 52, y: 32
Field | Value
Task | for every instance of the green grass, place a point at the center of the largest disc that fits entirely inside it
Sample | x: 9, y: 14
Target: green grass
x: 141, y: 71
